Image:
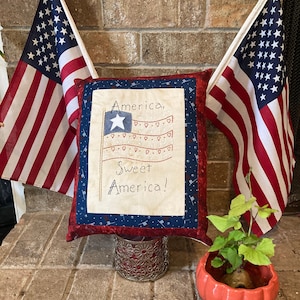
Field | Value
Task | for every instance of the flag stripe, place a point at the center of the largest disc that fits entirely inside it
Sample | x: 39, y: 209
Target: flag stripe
x: 67, y: 186
x: 275, y: 129
x: 234, y: 135
x: 72, y: 66
x: 59, y: 158
x: 53, y: 127
x: 11, y: 91
x: 36, y: 127
x: 71, y: 70
x: 259, y: 151
x: 73, y: 113
x: 266, y: 158
x: 37, y: 143
x: 287, y: 137
x: 19, y: 123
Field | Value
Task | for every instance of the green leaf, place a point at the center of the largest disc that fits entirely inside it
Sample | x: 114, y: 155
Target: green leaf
x: 251, y: 240
x: 236, y: 235
x: 218, y: 244
x: 225, y: 222
x: 239, y: 205
x: 265, y: 211
x: 217, y: 262
x: 267, y: 247
x: 231, y: 254
x: 237, y: 226
x: 254, y: 256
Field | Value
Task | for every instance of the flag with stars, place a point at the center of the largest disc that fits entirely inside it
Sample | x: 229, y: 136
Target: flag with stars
x: 248, y: 101
x: 117, y: 121
x: 39, y: 111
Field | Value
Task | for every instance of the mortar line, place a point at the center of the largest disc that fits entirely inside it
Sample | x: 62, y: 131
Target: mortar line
x: 49, y: 240
x: 69, y: 285
x: 15, y: 242
x: 71, y: 279
x: 27, y: 284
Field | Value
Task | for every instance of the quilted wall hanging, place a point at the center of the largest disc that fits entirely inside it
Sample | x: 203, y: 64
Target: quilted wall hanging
x: 142, y: 157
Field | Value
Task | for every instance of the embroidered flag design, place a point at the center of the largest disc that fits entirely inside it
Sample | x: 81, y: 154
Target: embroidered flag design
x: 138, y: 140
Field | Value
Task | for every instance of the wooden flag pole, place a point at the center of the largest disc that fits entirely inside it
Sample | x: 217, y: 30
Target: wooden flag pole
x: 81, y: 45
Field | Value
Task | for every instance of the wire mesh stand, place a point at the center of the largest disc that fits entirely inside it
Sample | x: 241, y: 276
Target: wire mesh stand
x: 140, y: 258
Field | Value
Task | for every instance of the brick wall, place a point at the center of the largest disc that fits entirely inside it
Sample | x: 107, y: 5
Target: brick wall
x: 146, y: 37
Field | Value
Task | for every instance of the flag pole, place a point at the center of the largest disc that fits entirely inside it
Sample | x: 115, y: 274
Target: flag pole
x: 80, y: 43
x: 236, y: 42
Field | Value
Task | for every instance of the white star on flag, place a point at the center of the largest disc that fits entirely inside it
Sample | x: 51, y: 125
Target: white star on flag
x: 117, y: 122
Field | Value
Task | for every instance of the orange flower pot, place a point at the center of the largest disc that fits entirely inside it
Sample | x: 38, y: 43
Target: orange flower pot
x: 209, y: 287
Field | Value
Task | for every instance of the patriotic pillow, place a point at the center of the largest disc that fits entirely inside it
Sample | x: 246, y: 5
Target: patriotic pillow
x: 142, y: 157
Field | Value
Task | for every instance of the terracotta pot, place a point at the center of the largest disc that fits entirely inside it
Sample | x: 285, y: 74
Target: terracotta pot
x: 209, y: 287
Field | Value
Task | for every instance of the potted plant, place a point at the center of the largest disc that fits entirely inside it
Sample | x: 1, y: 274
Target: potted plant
x: 237, y: 266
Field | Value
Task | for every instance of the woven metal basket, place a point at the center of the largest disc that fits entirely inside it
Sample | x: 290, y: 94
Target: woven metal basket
x: 140, y: 258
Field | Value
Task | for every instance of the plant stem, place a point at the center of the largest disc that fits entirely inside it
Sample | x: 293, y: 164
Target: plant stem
x: 248, y: 179
x: 250, y: 223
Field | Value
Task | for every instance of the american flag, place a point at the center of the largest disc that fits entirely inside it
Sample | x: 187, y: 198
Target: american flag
x: 139, y: 140
x: 39, y: 111
x: 248, y: 101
